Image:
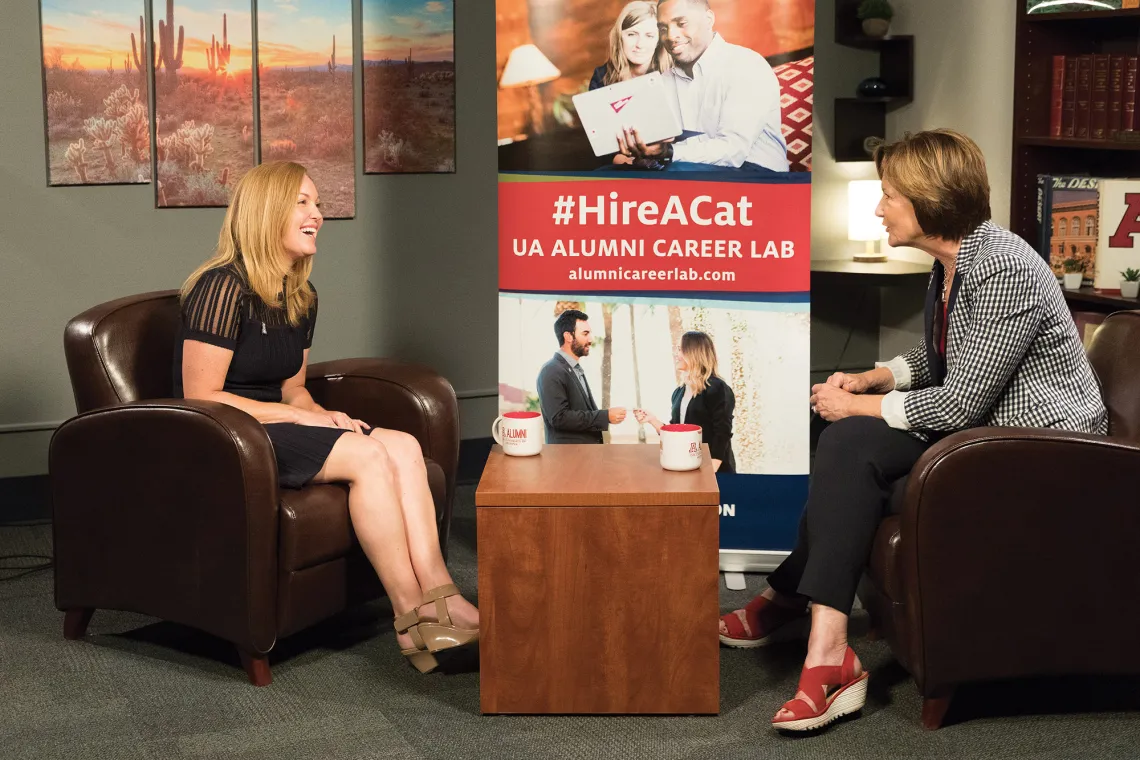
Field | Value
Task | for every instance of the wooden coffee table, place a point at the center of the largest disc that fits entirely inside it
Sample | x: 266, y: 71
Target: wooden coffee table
x: 597, y: 583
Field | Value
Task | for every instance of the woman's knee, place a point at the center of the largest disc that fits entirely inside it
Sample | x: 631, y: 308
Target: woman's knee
x: 403, y: 448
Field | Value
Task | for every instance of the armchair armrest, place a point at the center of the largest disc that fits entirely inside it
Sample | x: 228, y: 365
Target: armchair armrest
x: 168, y: 508
x: 396, y: 395
x: 1011, y: 539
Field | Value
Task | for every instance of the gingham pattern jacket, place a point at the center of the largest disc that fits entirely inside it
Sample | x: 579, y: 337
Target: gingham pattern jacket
x: 1013, y: 354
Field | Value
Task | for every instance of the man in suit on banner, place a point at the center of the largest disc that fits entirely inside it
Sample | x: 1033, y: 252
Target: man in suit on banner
x: 569, y: 412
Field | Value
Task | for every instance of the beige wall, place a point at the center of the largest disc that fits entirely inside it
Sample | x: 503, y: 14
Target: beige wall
x: 413, y: 276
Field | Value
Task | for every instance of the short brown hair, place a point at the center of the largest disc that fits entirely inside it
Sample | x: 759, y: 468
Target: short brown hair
x: 943, y: 174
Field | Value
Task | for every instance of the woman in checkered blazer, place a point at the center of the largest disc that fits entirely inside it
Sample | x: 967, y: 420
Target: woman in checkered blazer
x: 1000, y: 348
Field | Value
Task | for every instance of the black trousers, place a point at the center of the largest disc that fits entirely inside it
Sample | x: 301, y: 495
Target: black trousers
x: 857, y: 460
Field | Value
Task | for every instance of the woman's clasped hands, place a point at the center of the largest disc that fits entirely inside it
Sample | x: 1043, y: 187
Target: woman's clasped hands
x: 331, y: 420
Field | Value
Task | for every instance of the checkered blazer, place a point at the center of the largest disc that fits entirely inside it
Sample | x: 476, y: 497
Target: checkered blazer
x: 1013, y: 354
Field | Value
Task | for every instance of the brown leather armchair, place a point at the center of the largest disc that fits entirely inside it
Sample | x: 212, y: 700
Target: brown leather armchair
x: 1014, y: 553
x: 170, y: 507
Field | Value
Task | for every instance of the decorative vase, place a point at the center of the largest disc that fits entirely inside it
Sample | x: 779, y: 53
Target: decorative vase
x: 1129, y: 289
x: 876, y: 27
x: 871, y: 87
x: 1073, y: 280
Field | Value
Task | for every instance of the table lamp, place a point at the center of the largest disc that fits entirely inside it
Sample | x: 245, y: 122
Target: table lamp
x: 862, y: 198
x: 528, y: 67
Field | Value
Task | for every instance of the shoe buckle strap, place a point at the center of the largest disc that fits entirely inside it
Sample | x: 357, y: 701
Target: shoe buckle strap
x: 405, y: 622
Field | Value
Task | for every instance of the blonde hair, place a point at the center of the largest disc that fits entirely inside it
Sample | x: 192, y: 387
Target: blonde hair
x: 943, y: 174
x: 700, y: 354
x: 252, y: 236
x: 617, y: 67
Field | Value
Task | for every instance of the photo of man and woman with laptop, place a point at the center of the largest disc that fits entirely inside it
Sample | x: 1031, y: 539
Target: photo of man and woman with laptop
x: 671, y: 91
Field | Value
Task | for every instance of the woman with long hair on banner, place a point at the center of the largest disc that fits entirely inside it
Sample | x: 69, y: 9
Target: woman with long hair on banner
x: 1000, y: 349
x: 635, y: 50
x: 247, y: 321
x: 703, y: 399
x: 635, y: 46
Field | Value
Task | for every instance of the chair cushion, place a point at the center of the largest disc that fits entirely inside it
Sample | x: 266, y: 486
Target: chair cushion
x: 885, y: 558
x: 315, y: 524
x: 796, y: 85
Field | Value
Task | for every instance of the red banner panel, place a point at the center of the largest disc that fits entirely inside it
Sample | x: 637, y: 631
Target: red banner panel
x: 654, y: 235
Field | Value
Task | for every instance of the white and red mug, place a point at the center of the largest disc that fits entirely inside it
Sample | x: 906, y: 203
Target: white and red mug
x: 681, y: 447
x: 519, y: 433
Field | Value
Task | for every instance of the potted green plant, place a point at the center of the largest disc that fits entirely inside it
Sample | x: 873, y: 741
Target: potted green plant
x: 1074, y: 273
x: 876, y: 16
x: 1130, y: 282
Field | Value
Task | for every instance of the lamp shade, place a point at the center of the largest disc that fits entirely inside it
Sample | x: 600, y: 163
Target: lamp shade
x: 862, y: 198
x: 527, y: 66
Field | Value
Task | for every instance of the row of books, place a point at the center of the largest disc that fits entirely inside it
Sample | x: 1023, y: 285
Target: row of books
x: 1093, y: 222
x: 1093, y: 97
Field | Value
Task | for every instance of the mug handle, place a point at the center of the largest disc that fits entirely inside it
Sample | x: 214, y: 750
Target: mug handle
x: 495, y: 430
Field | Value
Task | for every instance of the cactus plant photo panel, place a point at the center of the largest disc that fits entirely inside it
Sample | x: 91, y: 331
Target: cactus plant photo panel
x: 307, y: 108
x: 409, y: 86
x: 203, y: 100
x: 96, y: 114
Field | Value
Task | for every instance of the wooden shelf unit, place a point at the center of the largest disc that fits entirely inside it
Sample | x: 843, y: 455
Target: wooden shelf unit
x: 859, y: 118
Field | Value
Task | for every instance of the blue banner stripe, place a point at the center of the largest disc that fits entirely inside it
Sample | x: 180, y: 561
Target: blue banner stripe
x: 802, y: 297
x: 752, y: 178
x: 761, y: 512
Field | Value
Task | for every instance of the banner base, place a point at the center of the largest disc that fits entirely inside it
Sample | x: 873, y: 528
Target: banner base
x: 750, y: 560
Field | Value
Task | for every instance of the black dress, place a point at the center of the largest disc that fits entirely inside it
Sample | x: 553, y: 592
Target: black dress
x: 223, y: 311
x: 712, y: 409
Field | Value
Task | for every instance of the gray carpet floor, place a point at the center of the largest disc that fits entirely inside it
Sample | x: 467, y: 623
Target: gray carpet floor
x: 140, y: 688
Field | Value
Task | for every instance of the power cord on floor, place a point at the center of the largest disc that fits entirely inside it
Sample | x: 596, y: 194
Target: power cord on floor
x: 23, y: 569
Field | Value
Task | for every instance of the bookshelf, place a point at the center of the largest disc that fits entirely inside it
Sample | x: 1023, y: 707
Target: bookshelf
x: 1038, y: 38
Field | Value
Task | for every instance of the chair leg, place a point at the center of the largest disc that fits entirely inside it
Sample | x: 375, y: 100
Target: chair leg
x: 75, y: 622
x: 934, y: 710
x: 257, y: 668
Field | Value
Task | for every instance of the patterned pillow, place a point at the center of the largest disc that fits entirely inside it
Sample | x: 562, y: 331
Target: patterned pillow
x: 796, y: 84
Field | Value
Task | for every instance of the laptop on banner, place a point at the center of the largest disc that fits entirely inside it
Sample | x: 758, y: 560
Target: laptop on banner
x: 643, y: 103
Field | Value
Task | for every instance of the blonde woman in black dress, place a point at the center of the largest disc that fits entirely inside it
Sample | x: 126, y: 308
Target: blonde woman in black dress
x: 248, y: 315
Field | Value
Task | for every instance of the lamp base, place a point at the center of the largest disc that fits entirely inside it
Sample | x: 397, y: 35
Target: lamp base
x: 869, y: 255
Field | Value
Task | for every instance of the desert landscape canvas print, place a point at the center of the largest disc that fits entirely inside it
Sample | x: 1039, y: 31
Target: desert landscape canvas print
x: 305, y: 70
x: 95, y: 92
x: 409, y: 86
x: 203, y: 99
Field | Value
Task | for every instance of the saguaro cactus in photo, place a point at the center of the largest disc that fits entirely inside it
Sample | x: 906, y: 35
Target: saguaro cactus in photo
x: 170, y: 55
x: 218, y: 56
x: 127, y: 65
x: 332, y: 59
x: 410, y: 66
x: 139, y: 51
x: 110, y: 66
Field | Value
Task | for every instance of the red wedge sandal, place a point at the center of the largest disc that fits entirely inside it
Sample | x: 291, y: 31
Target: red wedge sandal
x: 767, y: 623
x: 836, y: 690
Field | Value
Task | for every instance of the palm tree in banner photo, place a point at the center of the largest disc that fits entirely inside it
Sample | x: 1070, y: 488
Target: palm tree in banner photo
x: 636, y: 374
x: 607, y: 359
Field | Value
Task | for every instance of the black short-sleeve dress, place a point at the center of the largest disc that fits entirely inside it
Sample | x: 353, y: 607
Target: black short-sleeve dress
x: 223, y: 311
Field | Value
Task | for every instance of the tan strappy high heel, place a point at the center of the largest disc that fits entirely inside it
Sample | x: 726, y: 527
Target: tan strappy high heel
x: 423, y: 660
x: 441, y: 633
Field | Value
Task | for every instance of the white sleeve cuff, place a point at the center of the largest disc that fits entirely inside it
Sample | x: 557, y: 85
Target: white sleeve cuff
x: 894, y: 411
x: 900, y: 371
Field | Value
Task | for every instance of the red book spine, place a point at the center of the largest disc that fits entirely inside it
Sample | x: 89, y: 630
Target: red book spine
x: 1057, y: 96
x: 1098, y: 121
x: 1084, y: 96
x: 1128, y: 108
x: 1069, y: 98
x: 1115, y: 96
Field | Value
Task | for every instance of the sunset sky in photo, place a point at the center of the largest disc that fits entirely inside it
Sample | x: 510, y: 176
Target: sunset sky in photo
x: 94, y: 32
x: 299, y: 33
x: 391, y: 27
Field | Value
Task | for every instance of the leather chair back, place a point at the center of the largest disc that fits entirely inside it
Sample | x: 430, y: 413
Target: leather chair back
x: 123, y: 350
x: 1115, y: 355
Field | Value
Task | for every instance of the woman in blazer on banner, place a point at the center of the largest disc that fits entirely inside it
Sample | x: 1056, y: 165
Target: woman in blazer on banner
x: 1000, y: 348
x: 703, y: 399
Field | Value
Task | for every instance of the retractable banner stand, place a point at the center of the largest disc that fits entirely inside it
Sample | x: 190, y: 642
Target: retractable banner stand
x: 655, y: 173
